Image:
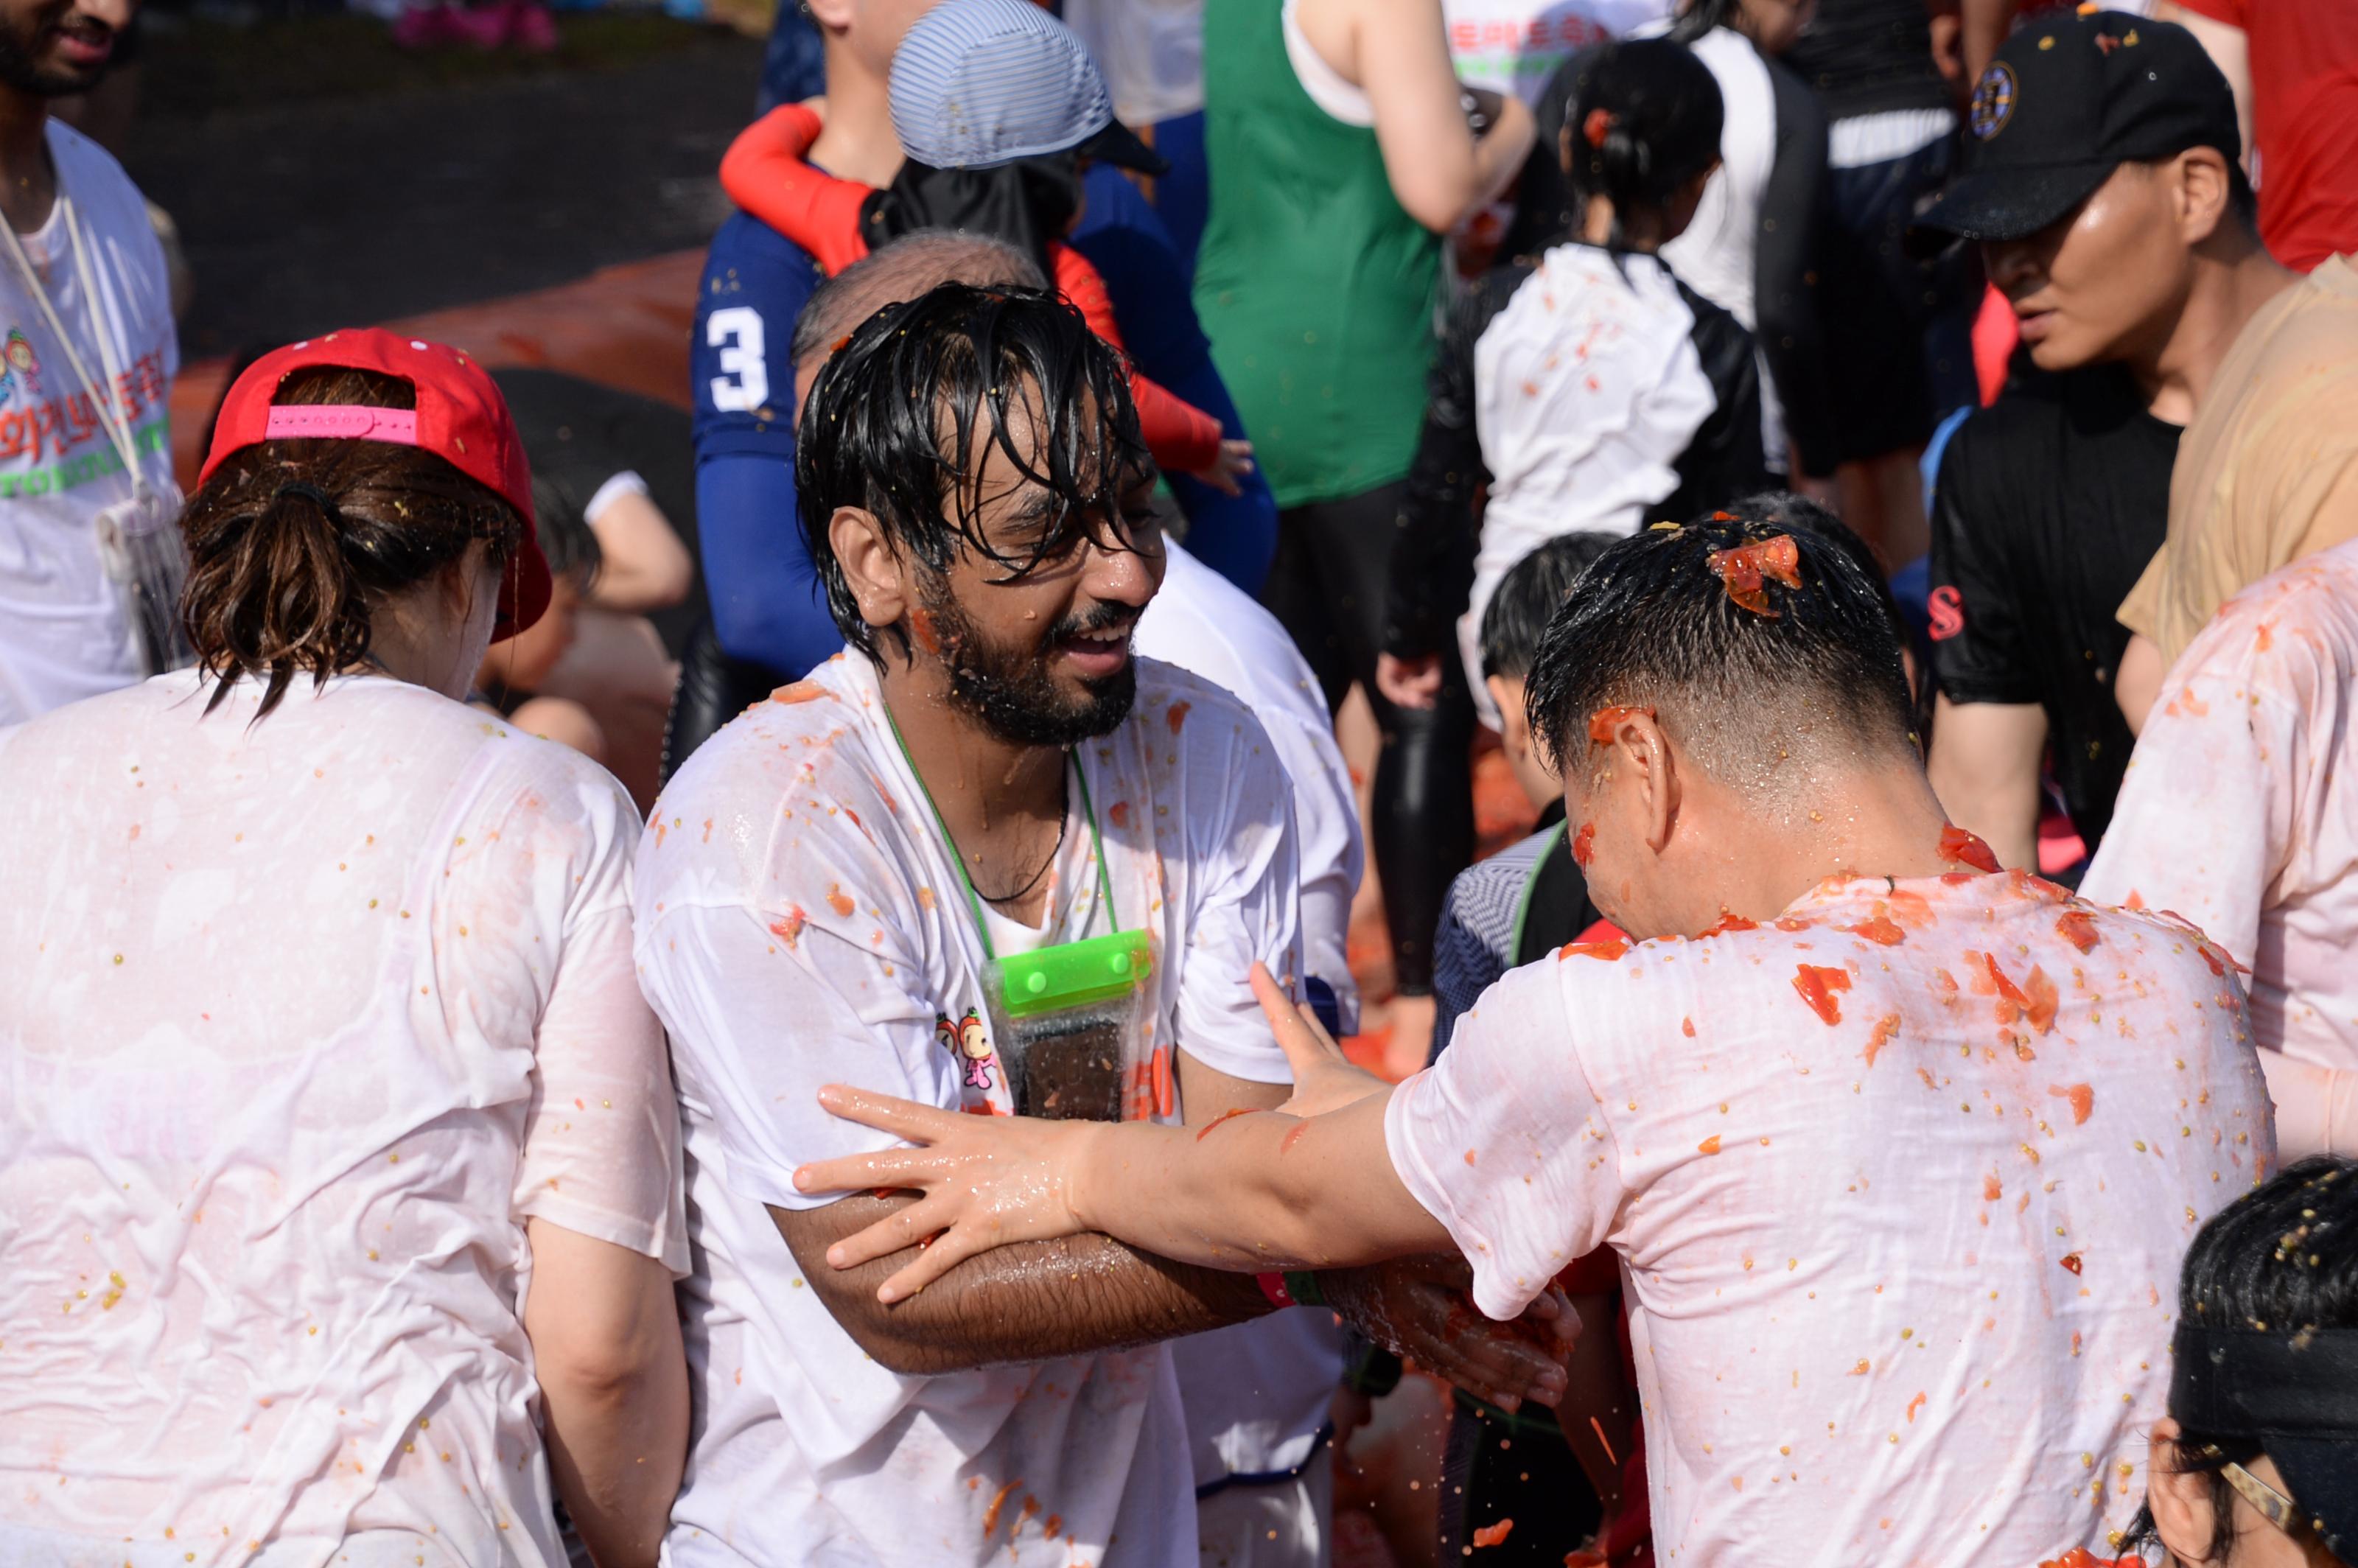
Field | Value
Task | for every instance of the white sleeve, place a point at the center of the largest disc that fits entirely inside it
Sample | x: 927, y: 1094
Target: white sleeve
x: 2203, y: 822
x: 532, y: 932
x: 1504, y: 1142
x: 617, y: 486
x: 1249, y: 909
x: 767, y: 1006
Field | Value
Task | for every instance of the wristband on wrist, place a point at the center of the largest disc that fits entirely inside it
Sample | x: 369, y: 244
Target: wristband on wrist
x: 1293, y: 1288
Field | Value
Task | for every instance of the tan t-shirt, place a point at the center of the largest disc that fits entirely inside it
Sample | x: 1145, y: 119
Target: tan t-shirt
x: 2268, y: 470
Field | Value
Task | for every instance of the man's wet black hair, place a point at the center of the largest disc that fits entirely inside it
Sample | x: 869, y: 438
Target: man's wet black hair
x: 2283, y: 1257
x: 901, y: 419
x: 1528, y: 598
x: 1645, y: 118
x: 1787, y: 509
x: 1656, y: 624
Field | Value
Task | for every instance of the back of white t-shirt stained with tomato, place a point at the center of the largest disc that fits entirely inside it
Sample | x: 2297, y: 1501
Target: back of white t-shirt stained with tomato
x: 1900, y: 1182
x: 307, y: 1015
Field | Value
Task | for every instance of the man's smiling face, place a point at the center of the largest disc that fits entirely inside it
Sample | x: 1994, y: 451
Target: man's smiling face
x: 1040, y: 658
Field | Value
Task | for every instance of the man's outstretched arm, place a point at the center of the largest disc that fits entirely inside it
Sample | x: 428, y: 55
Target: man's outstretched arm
x: 1071, y: 1294
x: 1310, y: 1187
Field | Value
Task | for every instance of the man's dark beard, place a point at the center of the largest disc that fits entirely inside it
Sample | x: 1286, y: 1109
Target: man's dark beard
x: 1010, y: 690
x: 19, y: 43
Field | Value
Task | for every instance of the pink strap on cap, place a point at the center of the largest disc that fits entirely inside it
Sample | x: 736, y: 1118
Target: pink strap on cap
x: 343, y: 421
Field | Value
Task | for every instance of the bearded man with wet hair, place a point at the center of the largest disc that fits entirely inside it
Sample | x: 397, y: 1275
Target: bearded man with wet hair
x: 858, y: 877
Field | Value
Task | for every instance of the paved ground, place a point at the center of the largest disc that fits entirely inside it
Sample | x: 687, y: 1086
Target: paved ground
x: 319, y: 178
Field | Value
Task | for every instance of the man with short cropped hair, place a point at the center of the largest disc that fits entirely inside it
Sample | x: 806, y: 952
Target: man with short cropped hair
x: 1899, y: 1151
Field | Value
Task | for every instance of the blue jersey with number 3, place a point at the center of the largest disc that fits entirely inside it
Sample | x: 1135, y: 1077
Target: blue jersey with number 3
x: 767, y: 602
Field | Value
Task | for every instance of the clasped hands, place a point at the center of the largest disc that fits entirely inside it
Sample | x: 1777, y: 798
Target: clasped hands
x: 991, y: 1180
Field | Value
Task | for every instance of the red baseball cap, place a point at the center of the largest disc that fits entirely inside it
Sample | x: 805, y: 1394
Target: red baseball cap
x: 461, y: 418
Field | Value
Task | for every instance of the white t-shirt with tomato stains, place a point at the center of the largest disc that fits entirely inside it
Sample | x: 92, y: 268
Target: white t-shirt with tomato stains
x: 2240, y: 809
x: 304, y: 1019
x: 1901, y: 1184
x: 805, y: 924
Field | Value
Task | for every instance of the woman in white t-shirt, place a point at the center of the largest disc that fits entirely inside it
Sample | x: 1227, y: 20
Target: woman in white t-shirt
x: 339, y: 1183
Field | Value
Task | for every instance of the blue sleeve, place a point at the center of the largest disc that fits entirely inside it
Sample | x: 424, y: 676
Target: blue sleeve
x: 766, y: 605
x: 1146, y: 277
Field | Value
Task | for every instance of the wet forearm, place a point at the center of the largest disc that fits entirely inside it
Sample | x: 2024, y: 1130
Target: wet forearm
x: 1258, y: 1193
x: 1042, y: 1298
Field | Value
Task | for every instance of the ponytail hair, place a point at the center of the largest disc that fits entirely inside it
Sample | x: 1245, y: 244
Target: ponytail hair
x: 294, y: 545
x: 1644, y: 119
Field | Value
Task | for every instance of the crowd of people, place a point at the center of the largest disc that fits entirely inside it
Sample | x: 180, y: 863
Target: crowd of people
x: 1884, y: 475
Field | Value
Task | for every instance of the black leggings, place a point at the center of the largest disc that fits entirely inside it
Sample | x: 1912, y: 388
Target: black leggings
x: 1326, y: 586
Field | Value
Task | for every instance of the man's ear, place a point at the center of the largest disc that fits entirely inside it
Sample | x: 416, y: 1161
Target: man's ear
x: 833, y: 15
x: 2180, y: 1499
x: 1510, y: 711
x: 1638, y: 746
x: 2204, y: 194
x: 876, y: 576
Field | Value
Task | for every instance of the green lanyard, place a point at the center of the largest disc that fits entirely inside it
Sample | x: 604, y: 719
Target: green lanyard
x: 974, y: 898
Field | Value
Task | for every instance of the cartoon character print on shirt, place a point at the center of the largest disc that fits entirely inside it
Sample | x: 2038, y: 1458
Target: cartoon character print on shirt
x: 969, y: 1039
x: 19, y: 365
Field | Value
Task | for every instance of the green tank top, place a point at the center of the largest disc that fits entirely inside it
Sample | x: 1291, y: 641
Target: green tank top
x: 1315, y: 286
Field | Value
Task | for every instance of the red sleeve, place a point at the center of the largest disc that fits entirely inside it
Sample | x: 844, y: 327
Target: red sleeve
x: 2233, y: 13
x: 765, y: 174
x: 1182, y: 437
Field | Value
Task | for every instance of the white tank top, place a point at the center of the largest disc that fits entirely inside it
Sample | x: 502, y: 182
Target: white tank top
x: 1327, y: 87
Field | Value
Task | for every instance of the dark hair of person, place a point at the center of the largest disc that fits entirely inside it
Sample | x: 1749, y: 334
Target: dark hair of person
x: 1645, y: 119
x: 1527, y: 598
x: 901, y: 418
x: 1657, y: 623
x: 1702, y: 16
x: 293, y: 543
x: 1785, y: 509
x: 565, y: 537
x: 903, y: 270
x: 2284, y: 1257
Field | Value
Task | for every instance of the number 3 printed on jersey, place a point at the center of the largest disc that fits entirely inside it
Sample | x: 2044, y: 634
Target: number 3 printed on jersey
x: 743, y: 384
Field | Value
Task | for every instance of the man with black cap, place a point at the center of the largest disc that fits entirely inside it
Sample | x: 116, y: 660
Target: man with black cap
x: 2100, y: 177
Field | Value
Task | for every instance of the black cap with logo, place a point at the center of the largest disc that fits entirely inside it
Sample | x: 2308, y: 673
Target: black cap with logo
x: 2068, y: 99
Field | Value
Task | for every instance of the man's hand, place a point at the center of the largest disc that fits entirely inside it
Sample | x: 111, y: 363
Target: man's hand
x: 1420, y: 1308
x: 1408, y: 683
x: 988, y: 1181
x: 1324, y: 1078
